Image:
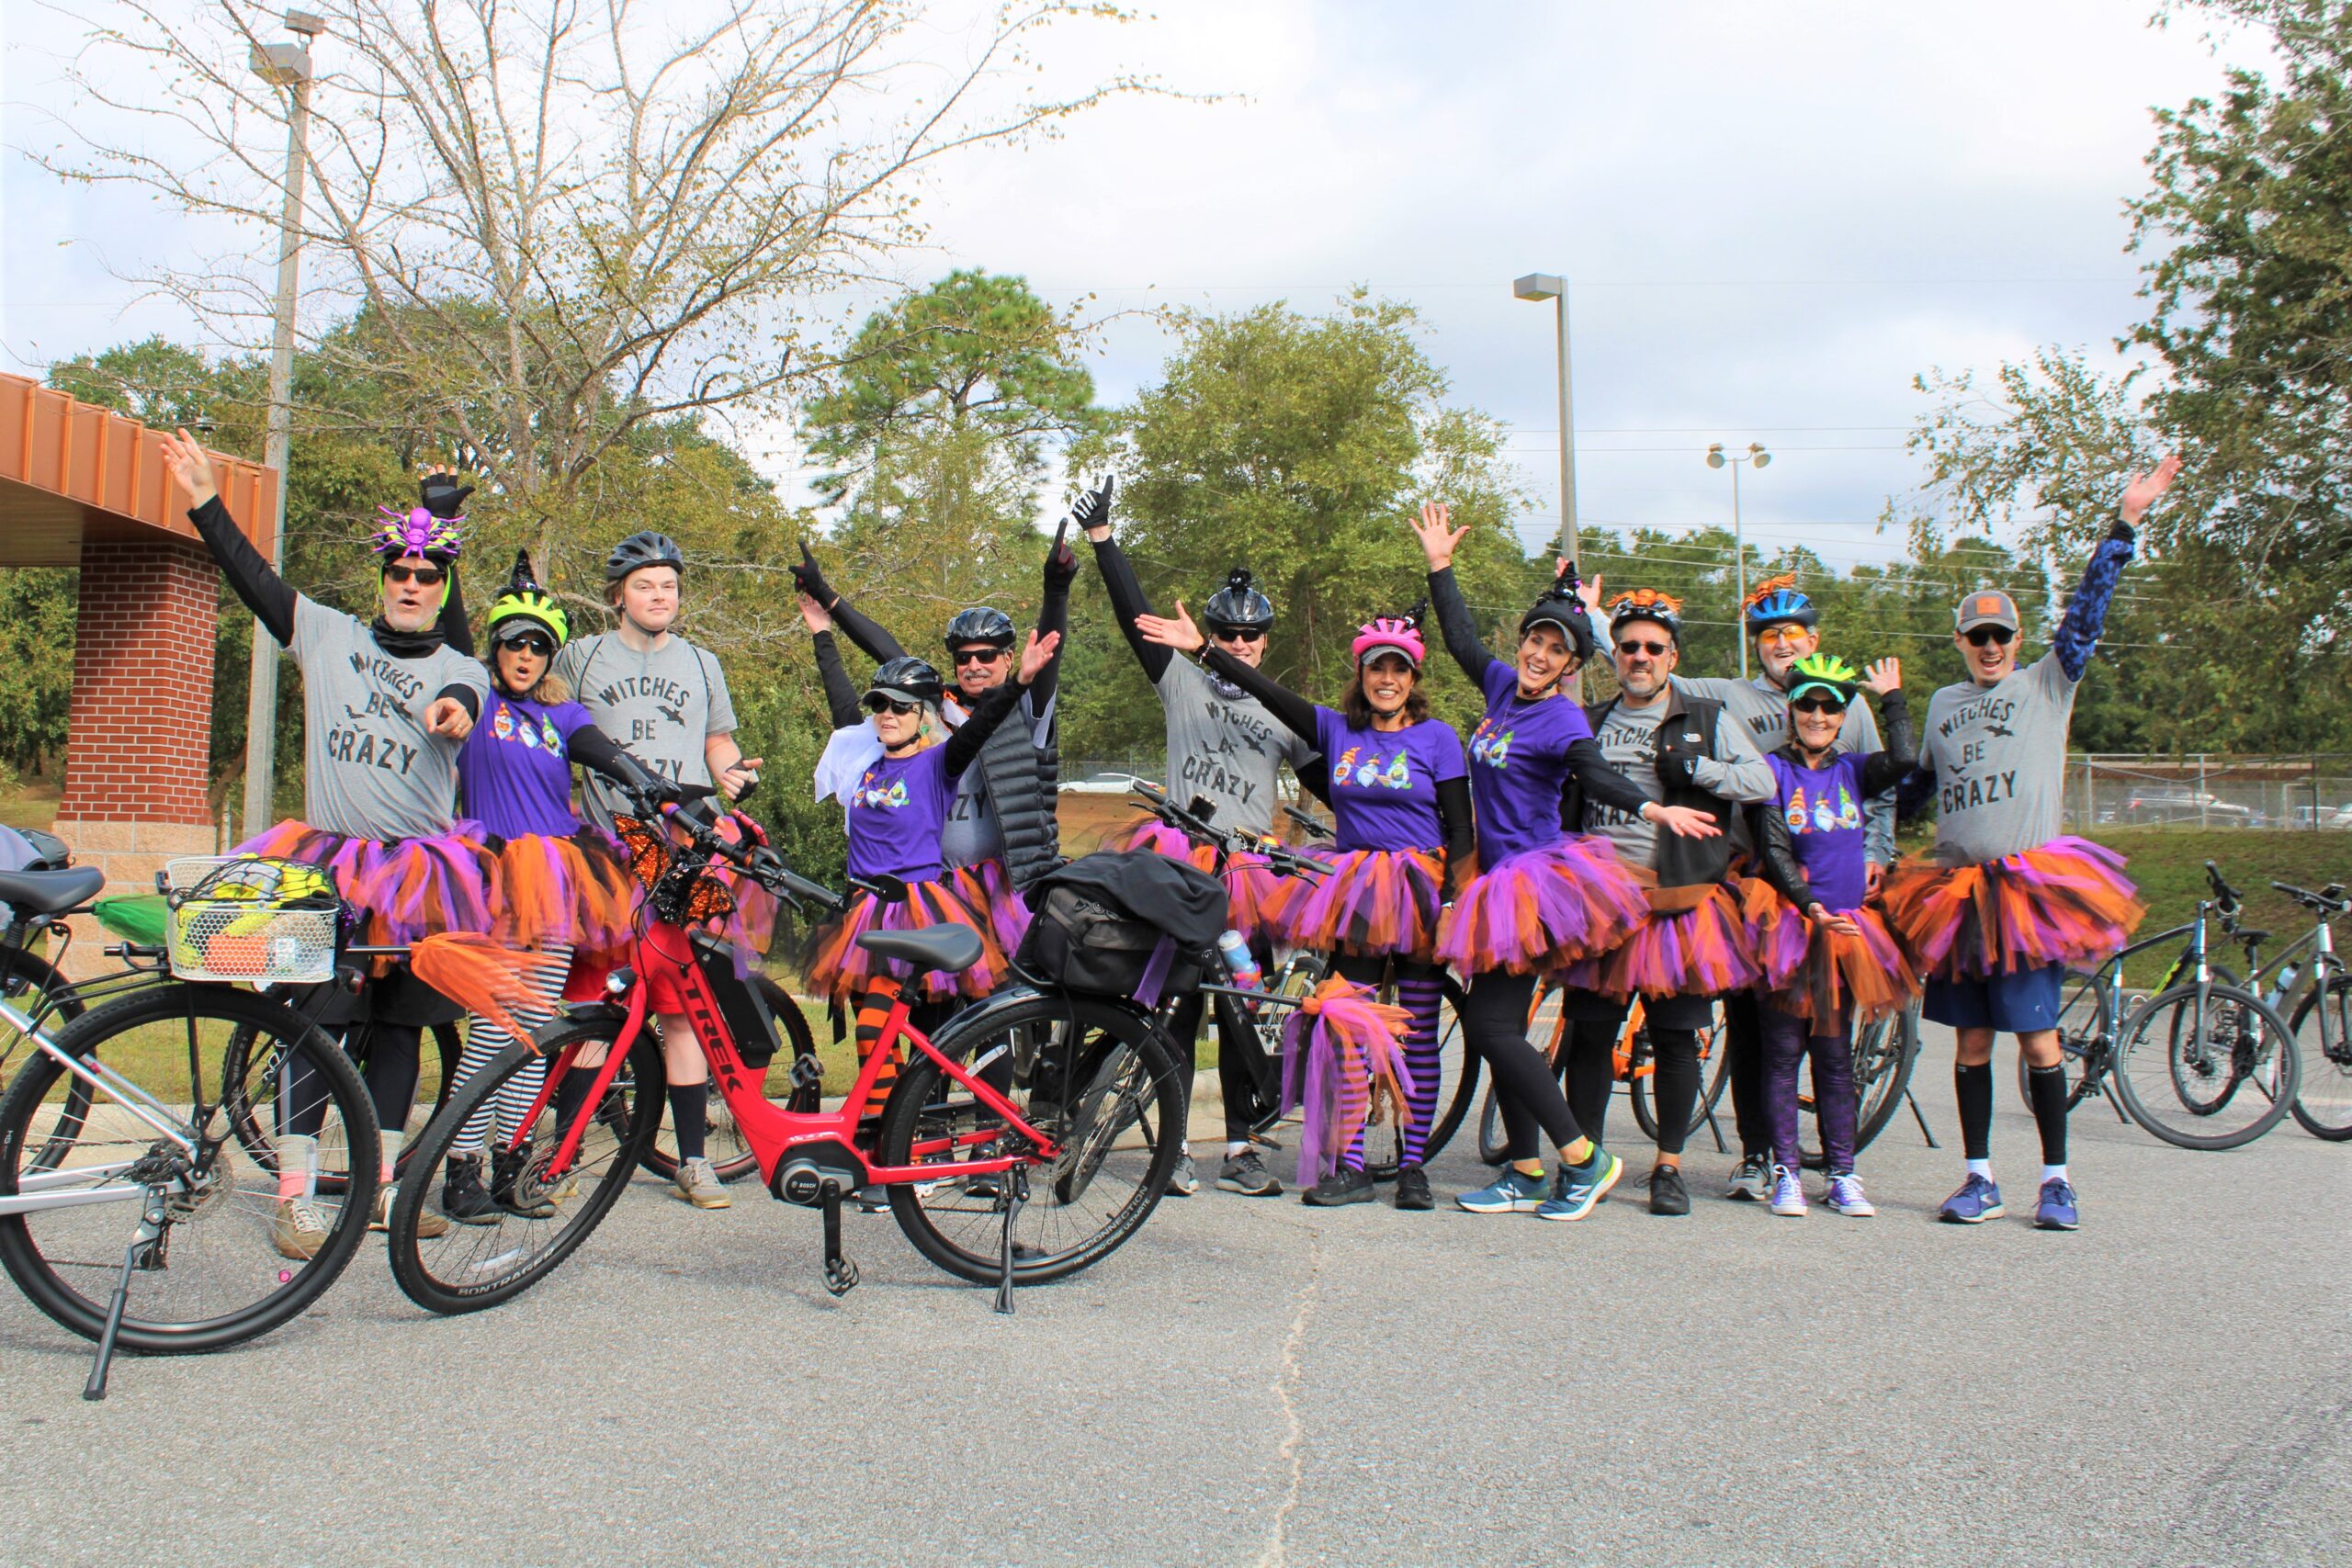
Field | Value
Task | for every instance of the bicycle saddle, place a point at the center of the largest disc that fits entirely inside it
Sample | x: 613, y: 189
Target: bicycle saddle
x: 2252, y: 939
x: 47, y: 892
x: 951, y: 948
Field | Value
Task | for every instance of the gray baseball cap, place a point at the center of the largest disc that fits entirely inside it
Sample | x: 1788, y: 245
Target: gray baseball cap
x: 1986, y: 607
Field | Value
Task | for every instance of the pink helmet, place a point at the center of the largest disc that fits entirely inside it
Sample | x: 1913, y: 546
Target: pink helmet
x: 1392, y: 634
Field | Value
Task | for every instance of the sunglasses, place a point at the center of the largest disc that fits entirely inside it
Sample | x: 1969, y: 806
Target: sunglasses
x: 429, y: 576
x: 964, y: 656
x: 1979, y: 635
x: 1818, y: 705
x: 1654, y: 649
x: 877, y: 703
x: 1238, y: 633
x: 537, y: 645
x: 1781, y: 634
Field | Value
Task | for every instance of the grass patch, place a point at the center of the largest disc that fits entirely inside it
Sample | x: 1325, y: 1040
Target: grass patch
x: 2169, y: 866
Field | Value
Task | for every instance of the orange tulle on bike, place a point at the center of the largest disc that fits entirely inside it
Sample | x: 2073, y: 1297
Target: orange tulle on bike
x: 1849, y: 980
x: 1373, y: 903
x: 400, y: 889
x: 1703, y: 951
x: 2068, y: 902
x: 479, y: 975
x: 1542, y: 908
x: 839, y: 968
x: 576, y: 889
x: 1248, y: 886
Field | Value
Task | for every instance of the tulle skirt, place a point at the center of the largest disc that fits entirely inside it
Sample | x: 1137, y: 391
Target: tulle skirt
x: 2068, y: 902
x: 1007, y: 910
x: 401, y: 890
x: 1373, y: 903
x: 1250, y: 887
x: 1703, y: 951
x: 1779, y: 936
x: 1542, y: 908
x: 1848, y: 979
x: 839, y: 968
x: 575, y: 889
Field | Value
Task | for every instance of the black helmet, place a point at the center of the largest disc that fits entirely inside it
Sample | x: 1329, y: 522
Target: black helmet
x: 1647, y: 604
x: 1559, y: 606
x: 643, y: 550
x: 979, y: 623
x: 908, y: 678
x: 1237, y: 604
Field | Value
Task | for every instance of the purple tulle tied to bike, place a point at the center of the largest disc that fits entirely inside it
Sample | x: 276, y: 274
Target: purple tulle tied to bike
x: 1008, y: 912
x: 1343, y: 1065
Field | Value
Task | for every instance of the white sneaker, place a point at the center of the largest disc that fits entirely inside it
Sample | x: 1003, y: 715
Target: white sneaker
x: 699, y: 1184
x: 430, y: 1221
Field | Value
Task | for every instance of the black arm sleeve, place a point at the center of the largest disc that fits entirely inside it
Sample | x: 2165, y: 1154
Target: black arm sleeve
x: 1126, y: 602
x: 1884, y: 770
x: 1769, y: 832
x: 263, y: 592
x: 841, y: 697
x: 1461, y: 836
x: 870, y: 639
x: 1295, y: 713
x: 965, y: 745
x: 1602, y: 781
x: 1052, y: 616
x: 1314, y: 778
x: 465, y: 696
x: 1459, y: 627
x: 454, y: 633
x: 593, y: 748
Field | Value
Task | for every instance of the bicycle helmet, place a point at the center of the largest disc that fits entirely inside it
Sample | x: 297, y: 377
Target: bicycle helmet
x: 979, y: 623
x: 1392, y: 634
x: 640, y: 550
x: 1824, y: 672
x: 1776, y: 601
x: 525, y: 607
x: 1647, y: 604
x: 908, y: 678
x: 416, y: 532
x: 1560, y: 607
x: 1237, y: 604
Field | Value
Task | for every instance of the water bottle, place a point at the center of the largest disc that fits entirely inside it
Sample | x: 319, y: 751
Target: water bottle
x: 1239, y: 961
x: 2283, y: 986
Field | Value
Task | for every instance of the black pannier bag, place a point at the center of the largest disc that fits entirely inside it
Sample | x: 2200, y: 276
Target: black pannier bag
x: 1099, y: 922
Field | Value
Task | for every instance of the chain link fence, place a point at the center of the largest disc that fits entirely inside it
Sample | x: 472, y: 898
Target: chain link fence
x: 2310, y: 792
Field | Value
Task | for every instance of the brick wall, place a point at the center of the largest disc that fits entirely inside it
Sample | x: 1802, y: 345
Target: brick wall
x: 141, y: 713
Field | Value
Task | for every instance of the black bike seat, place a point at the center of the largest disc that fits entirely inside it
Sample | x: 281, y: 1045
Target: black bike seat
x: 47, y: 892
x: 2254, y: 939
x: 952, y: 948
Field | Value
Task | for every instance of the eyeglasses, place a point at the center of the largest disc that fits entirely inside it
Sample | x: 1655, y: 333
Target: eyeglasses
x: 1654, y: 649
x: 537, y: 645
x: 1818, y: 705
x: 877, y: 704
x: 976, y: 655
x: 1238, y: 633
x: 1979, y: 635
x: 426, y: 575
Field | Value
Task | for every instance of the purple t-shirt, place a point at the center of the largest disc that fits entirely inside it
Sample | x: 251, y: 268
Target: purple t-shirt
x: 513, y: 775
x: 1823, y: 810
x: 1519, y: 765
x: 896, y: 815
x: 1383, y: 783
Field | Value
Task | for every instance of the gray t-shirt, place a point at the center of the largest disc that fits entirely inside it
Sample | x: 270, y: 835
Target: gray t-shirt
x: 659, y: 707
x: 1763, y: 707
x: 370, y: 768
x: 1227, y: 748
x: 971, y: 834
x: 1999, y: 756
x: 1734, y: 770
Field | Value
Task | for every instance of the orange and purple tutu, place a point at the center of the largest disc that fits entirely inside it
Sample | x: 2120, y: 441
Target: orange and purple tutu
x: 1542, y: 908
x: 576, y: 889
x: 1250, y: 887
x: 1849, y: 980
x: 1703, y: 950
x: 400, y: 890
x: 1779, y: 937
x: 1007, y: 910
x: 2068, y: 902
x: 839, y: 968
x: 1372, y: 904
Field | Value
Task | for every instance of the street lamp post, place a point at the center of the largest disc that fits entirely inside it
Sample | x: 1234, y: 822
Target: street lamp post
x: 1548, y: 286
x: 283, y: 65
x: 1716, y: 459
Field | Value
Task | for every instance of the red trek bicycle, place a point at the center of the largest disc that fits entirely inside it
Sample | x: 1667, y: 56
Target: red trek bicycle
x: 1022, y: 1144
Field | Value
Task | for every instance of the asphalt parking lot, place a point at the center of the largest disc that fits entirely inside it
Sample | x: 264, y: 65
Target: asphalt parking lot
x: 1258, y: 1382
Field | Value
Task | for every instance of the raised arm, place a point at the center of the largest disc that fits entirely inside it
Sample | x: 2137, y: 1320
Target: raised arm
x: 1053, y: 617
x: 252, y: 581
x: 870, y: 639
x: 2078, y: 629
x: 1092, y: 513
x: 1898, y: 750
x: 1294, y: 712
x: 1434, y: 528
x: 840, y: 693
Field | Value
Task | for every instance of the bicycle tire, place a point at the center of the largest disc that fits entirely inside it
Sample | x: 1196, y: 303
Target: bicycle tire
x: 1112, y: 1075
x: 721, y: 1132
x: 2082, y: 1023
x: 447, y: 1045
x: 1715, y: 1063
x: 2324, y: 1093
x: 2232, y: 1056
x: 59, y: 1257
x: 20, y: 972
x: 452, y: 1273
x: 1889, y: 1057
x: 1455, y: 1102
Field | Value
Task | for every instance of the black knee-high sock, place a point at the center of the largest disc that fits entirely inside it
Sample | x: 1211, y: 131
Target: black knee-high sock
x: 2046, y: 1087
x: 1973, y: 1087
x: 689, y: 1117
x: 570, y: 1094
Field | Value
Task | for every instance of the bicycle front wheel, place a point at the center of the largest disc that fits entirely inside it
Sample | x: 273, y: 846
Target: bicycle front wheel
x: 2323, y: 1037
x: 2206, y: 1066
x: 1096, y: 1078
x: 229, y: 1260
x: 438, y: 1052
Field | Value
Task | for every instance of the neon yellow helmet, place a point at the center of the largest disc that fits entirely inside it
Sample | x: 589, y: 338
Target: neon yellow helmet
x: 1824, y: 672
x: 525, y: 607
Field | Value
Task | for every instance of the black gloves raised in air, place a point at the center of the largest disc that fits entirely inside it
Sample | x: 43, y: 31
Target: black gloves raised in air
x: 1061, y: 563
x: 1093, y: 508
x: 810, y: 578
x: 442, y: 495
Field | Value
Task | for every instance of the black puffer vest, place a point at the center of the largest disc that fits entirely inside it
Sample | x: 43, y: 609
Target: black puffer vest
x: 1021, y: 779
x: 1686, y: 729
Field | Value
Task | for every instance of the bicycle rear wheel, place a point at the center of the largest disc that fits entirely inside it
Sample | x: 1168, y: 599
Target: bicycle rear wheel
x: 221, y: 1270
x: 731, y: 1159
x: 1095, y: 1077
x: 2324, y: 1036
x: 437, y: 1055
x: 2206, y: 1067
x: 470, y: 1266
x: 2082, y: 1016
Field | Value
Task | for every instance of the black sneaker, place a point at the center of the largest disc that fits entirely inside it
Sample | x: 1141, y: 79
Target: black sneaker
x: 463, y: 1197
x: 1667, y: 1195
x: 1413, y: 1188
x: 1339, y: 1187
x: 506, y: 1168
x: 1247, y: 1174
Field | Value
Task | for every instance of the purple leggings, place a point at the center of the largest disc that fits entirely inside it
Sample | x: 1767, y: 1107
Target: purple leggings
x: 1787, y: 1043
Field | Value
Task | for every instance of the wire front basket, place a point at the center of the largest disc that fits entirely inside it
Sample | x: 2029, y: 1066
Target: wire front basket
x: 247, y: 917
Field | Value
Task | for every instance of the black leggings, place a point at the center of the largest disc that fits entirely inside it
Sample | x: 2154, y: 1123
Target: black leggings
x: 387, y: 1066
x: 1674, y: 1085
x: 1238, y: 1054
x: 1527, y: 1089
x: 1743, y: 1040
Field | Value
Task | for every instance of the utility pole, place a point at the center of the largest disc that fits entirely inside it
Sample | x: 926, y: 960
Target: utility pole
x: 1549, y: 285
x: 1716, y: 459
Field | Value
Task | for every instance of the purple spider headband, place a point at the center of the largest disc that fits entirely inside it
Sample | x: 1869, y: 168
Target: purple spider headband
x: 416, y: 532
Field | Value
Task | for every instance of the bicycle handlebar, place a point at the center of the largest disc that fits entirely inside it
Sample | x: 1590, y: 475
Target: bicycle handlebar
x: 1280, y: 858
x: 2330, y: 898
x: 2228, y: 896
x: 757, y: 861
x: 1312, y: 825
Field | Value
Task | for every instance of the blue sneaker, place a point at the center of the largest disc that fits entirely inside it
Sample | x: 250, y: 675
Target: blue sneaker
x: 1788, y: 1192
x: 1512, y: 1192
x: 1977, y: 1201
x: 1579, y: 1186
x: 2056, y: 1210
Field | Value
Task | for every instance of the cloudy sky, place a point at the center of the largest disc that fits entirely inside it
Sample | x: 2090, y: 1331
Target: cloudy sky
x: 1771, y: 216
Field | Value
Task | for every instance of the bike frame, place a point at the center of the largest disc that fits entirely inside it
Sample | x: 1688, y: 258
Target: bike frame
x: 31, y: 1194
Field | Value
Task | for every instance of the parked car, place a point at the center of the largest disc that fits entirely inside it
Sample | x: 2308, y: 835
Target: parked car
x: 1101, y: 784
x: 2176, y: 806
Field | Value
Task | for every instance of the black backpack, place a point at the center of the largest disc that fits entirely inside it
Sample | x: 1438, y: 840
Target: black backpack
x: 1088, y: 932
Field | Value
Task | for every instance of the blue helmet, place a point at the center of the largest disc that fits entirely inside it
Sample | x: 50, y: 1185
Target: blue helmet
x: 1776, y: 601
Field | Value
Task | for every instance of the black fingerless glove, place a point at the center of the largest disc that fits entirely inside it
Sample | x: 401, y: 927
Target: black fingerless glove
x: 442, y: 495
x: 810, y: 578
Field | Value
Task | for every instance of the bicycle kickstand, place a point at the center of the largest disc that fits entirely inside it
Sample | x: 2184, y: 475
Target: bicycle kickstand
x: 1016, y: 1190
x: 840, y: 1274
x: 1919, y: 1116
x: 1716, y: 1128
x: 149, y: 1236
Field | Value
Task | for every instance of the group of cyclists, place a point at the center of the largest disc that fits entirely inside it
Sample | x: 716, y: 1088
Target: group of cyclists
x: 1684, y: 844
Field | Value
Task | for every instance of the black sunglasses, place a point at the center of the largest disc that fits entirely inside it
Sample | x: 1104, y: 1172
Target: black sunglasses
x: 976, y: 655
x: 1237, y: 633
x: 1654, y: 649
x: 876, y: 703
x: 430, y: 576
x: 1818, y: 705
x: 538, y: 645
x: 1979, y: 635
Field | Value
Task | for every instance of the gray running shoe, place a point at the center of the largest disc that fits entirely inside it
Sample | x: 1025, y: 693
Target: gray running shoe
x: 1247, y: 1174
x: 1184, y: 1181
x: 1753, y: 1179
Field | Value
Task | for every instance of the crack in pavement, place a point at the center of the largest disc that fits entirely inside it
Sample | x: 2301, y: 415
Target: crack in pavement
x: 1287, y: 1372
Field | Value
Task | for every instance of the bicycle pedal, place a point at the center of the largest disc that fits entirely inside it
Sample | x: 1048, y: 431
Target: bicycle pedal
x: 840, y: 1276
x: 806, y: 1072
